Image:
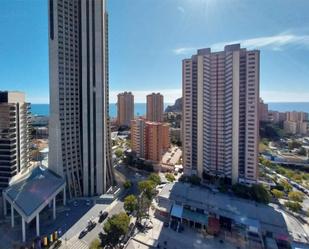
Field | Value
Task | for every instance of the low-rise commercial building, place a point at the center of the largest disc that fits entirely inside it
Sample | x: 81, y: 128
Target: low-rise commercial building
x: 203, y: 209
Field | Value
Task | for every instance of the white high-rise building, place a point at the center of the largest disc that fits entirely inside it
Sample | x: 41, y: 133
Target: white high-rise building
x: 14, y: 136
x: 220, y: 113
x: 79, y: 139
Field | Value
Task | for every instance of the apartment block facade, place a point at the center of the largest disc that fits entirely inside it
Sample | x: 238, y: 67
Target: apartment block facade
x: 155, y: 106
x: 138, y: 137
x: 125, y: 108
x: 296, y: 123
x: 150, y: 140
x: 220, y: 113
x: 79, y: 139
x: 14, y: 136
x: 263, y: 111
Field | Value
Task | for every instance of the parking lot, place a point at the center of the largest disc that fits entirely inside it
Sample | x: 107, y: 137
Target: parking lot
x: 172, y: 156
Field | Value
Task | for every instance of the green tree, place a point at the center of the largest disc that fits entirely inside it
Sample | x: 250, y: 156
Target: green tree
x: 130, y: 203
x: 293, y: 206
x: 96, y: 244
x: 270, y: 131
x: 277, y: 193
x: 143, y: 205
x: 147, y: 187
x: 294, y: 145
x: 116, y: 226
x: 119, y: 153
x: 127, y: 184
x: 170, y: 177
x: 259, y: 193
x: 195, y: 180
x: 287, y: 187
x: 155, y: 178
x: 296, y: 196
x: 302, y: 151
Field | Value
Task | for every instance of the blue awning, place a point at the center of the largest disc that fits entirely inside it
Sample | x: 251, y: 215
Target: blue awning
x: 177, y: 211
x: 194, y: 216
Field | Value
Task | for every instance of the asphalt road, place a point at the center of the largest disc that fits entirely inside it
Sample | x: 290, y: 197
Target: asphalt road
x: 71, y: 235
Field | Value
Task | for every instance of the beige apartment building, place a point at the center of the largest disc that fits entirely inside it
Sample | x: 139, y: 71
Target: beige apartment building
x: 14, y: 135
x: 125, y: 108
x: 296, y: 123
x: 138, y: 136
x: 79, y: 138
x: 263, y: 111
x: 150, y: 140
x: 220, y: 113
x: 155, y: 106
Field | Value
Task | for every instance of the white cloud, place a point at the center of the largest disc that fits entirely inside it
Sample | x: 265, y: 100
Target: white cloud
x: 181, y: 9
x: 170, y: 95
x: 185, y: 51
x: 276, y: 43
x: 288, y: 96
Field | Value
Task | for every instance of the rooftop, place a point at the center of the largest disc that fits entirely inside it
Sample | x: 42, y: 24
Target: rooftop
x: 226, y: 205
x: 34, y: 190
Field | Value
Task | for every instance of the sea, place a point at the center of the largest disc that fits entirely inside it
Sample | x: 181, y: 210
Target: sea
x: 140, y: 108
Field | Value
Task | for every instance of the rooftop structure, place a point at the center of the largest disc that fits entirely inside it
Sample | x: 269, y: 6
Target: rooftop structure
x: 31, y: 193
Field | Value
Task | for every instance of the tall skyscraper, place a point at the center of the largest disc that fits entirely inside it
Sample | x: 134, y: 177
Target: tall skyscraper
x: 155, y: 107
x: 125, y: 108
x: 80, y: 149
x: 14, y: 135
x: 150, y: 140
x: 220, y: 113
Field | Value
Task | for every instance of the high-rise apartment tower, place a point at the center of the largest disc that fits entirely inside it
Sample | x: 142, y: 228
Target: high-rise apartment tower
x: 125, y: 108
x: 155, y: 107
x: 80, y: 149
x: 220, y: 113
x: 14, y: 136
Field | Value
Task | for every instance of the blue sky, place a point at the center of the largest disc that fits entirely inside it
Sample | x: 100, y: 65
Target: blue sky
x: 149, y: 38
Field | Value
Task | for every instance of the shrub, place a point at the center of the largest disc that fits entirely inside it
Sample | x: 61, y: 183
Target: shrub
x: 293, y: 206
x: 170, y: 177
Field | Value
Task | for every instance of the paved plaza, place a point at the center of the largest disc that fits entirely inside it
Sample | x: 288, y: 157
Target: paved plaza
x: 168, y: 238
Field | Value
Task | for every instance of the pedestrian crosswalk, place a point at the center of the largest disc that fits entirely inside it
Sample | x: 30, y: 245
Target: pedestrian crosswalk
x: 74, y: 244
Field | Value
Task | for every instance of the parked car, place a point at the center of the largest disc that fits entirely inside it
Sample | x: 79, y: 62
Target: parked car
x: 83, y: 233
x: 57, y: 244
x: 91, y: 225
x: 102, y: 216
